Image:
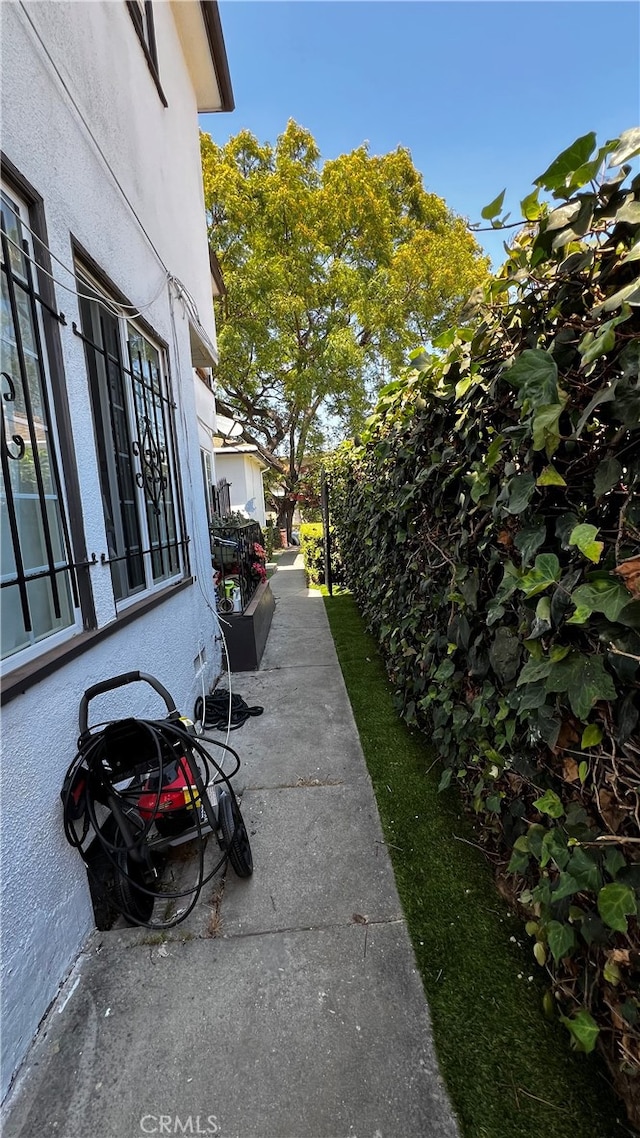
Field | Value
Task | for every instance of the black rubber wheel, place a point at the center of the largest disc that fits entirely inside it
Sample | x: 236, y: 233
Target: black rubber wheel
x: 235, y: 836
x: 133, y: 894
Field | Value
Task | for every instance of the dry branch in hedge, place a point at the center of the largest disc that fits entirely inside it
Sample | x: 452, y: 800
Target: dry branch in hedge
x: 489, y: 521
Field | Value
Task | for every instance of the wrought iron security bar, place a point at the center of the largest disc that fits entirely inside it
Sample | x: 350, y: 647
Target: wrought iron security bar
x: 136, y: 419
x: 39, y: 547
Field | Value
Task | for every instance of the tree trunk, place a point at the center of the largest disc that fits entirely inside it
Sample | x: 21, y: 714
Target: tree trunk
x: 285, y: 517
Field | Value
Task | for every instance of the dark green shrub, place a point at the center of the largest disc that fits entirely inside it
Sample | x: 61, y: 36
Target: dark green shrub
x: 490, y: 524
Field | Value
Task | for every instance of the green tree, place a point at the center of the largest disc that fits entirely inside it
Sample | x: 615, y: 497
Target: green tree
x: 332, y: 272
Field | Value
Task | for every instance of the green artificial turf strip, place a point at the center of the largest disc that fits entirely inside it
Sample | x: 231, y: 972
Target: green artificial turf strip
x: 498, y: 1054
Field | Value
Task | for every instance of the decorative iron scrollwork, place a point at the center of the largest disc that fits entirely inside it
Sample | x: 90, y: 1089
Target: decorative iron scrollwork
x: 151, y: 456
x: 17, y: 440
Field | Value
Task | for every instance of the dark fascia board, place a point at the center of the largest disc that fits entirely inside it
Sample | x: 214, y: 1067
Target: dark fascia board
x: 211, y: 18
x: 216, y: 273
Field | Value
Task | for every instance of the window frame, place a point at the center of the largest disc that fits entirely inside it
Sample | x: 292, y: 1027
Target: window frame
x: 94, y: 280
x: 141, y: 12
x: 45, y: 321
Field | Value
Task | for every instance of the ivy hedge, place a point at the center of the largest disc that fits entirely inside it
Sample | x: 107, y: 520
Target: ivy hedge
x: 489, y: 522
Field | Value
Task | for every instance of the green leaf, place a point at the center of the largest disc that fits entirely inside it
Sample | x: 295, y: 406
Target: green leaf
x: 584, y: 1030
x: 557, y: 174
x: 445, y: 670
x: 493, y: 453
x: 561, y: 939
x: 592, y: 346
x: 445, y: 779
x: 614, y: 861
x: 563, y: 215
x: 530, y: 206
x: 628, y: 146
x: 608, y: 475
x: 616, y: 902
x: 585, y: 681
x: 535, y: 373
x: 546, y: 432
x: 540, y: 952
x: 550, y: 804
x: 546, y: 571
x: 520, y: 490
x: 567, y: 887
x: 528, y: 540
x: 584, y: 537
x: 493, y: 209
x: 550, y: 477
x: 591, y: 736
x: 533, y: 671
x: 602, y: 595
x: 585, y: 870
x: 583, y: 771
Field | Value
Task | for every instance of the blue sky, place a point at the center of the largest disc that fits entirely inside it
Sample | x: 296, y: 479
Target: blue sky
x: 483, y: 94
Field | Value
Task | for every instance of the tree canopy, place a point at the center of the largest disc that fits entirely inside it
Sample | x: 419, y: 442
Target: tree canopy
x: 333, y: 271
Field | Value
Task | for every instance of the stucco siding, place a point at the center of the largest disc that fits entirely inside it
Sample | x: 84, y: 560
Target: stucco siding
x: 118, y: 172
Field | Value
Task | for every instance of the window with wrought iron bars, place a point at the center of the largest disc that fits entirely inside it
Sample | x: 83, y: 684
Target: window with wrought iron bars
x: 39, y: 590
x: 134, y: 433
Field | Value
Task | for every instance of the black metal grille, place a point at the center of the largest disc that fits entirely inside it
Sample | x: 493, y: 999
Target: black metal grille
x: 234, y: 558
x: 222, y: 498
x: 37, y: 565
x: 136, y: 450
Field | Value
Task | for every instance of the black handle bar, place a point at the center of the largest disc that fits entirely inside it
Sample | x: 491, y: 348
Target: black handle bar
x: 120, y: 682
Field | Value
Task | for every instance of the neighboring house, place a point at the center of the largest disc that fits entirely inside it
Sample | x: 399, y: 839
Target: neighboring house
x: 106, y: 309
x: 241, y: 466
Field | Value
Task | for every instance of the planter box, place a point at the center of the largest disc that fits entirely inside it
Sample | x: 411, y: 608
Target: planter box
x: 246, y: 632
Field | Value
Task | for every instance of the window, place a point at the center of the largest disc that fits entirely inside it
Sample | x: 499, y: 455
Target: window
x: 39, y: 591
x: 133, y: 426
x: 207, y: 478
x: 141, y: 12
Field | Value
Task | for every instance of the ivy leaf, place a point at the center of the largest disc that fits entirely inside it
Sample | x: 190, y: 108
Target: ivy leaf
x: 584, y: 1030
x: 561, y: 939
x: 533, y: 671
x: 535, y: 373
x: 585, y: 681
x: 628, y: 146
x: 585, y: 870
x: 549, y: 804
x: 445, y: 670
x: 591, y: 736
x: 567, y: 886
x: 530, y: 206
x: 520, y: 491
x: 602, y: 595
x: 493, y: 453
x: 445, y: 779
x: 550, y: 477
x: 528, y: 540
x: 615, y: 903
x: 608, y: 475
x: 593, y: 345
x: 546, y: 432
x: 493, y: 209
x: 563, y: 215
x: 584, y: 537
x: 546, y: 571
x: 557, y: 174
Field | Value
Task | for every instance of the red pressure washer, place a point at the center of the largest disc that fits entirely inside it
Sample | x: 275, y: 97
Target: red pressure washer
x: 137, y: 787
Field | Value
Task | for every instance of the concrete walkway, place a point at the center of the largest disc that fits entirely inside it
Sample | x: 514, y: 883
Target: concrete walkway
x: 287, y: 1005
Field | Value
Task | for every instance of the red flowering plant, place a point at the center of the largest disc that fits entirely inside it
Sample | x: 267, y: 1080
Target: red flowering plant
x: 258, y: 566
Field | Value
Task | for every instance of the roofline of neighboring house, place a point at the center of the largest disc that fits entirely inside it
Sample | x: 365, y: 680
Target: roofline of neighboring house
x: 211, y: 18
x: 242, y: 448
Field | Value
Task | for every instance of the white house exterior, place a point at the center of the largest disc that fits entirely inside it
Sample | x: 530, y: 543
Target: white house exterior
x: 241, y: 466
x: 105, y: 553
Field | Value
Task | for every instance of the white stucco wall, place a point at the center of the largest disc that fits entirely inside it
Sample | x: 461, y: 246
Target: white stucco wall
x: 74, y: 156
x: 247, y: 491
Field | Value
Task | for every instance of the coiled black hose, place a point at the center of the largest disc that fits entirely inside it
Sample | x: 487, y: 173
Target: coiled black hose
x: 92, y: 779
